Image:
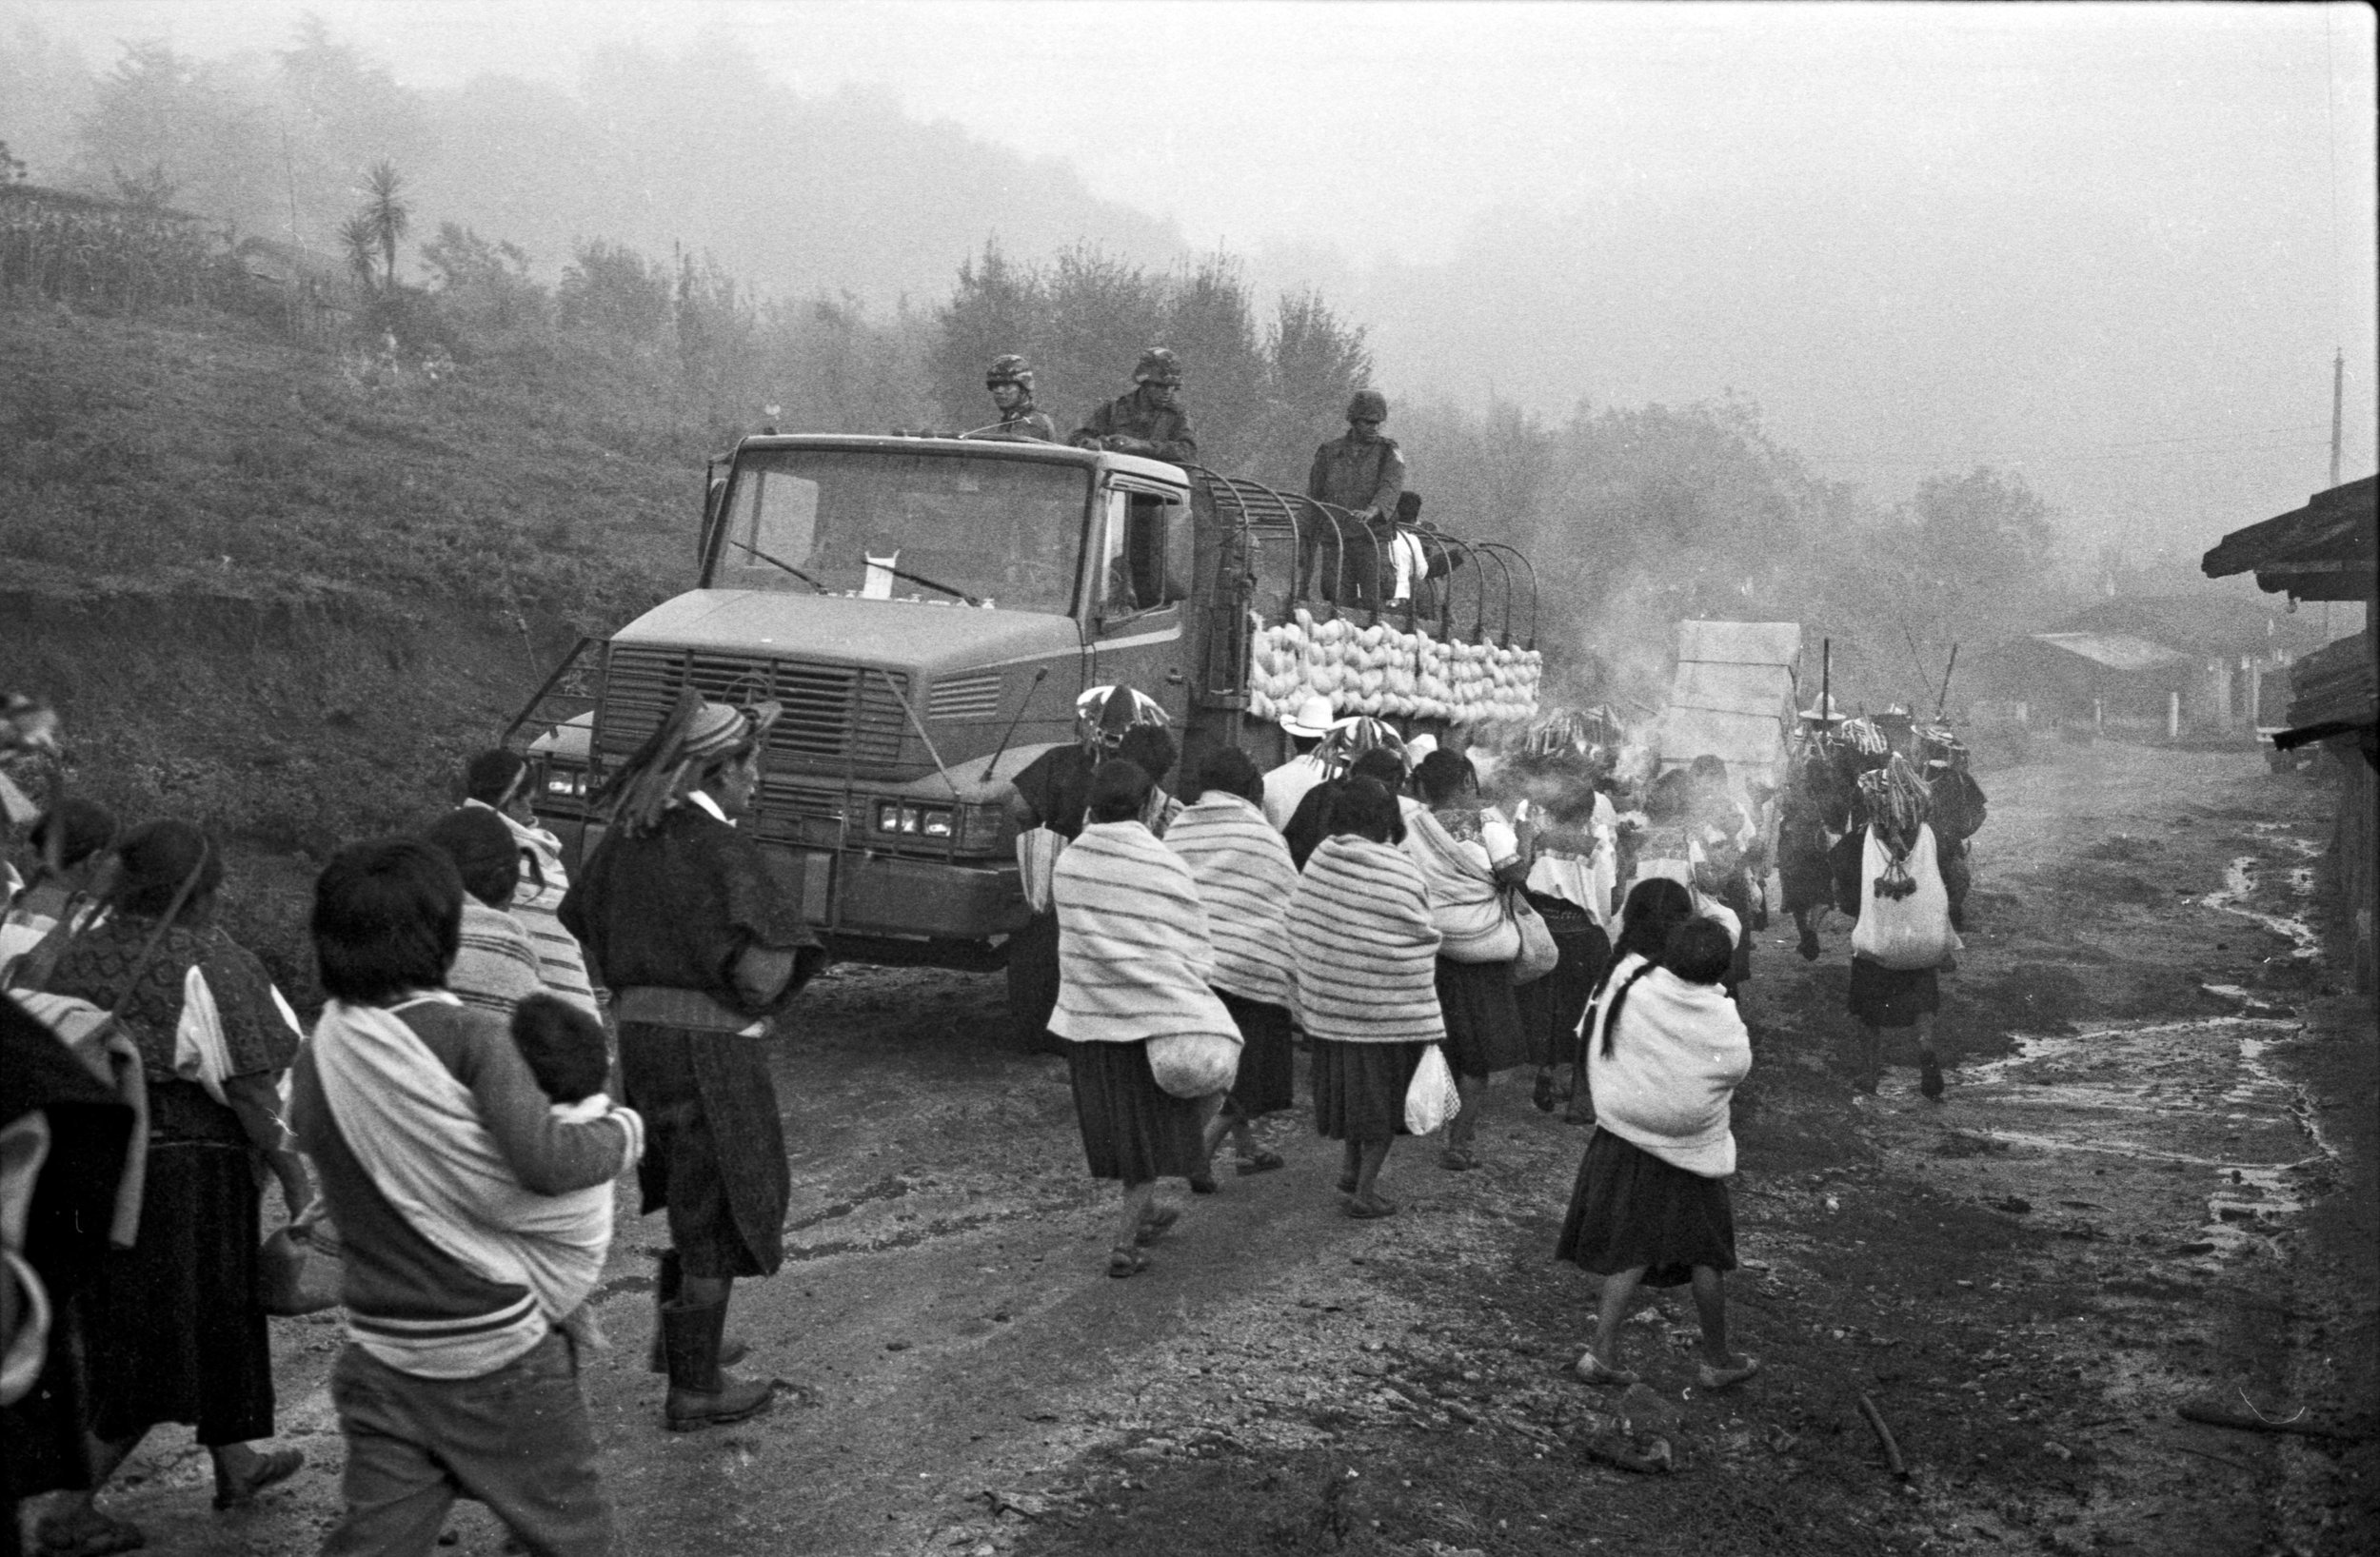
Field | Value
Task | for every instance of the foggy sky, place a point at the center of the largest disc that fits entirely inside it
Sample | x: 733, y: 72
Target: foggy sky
x: 2110, y: 247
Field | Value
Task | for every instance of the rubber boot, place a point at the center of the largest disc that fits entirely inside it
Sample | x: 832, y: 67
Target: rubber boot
x: 668, y: 1282
x: 701, y: 1393
x: 1871, y: 1067
x: 1929, y: 1075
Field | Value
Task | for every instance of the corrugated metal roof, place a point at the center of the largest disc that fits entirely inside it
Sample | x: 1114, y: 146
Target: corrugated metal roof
x: 2114, y: 650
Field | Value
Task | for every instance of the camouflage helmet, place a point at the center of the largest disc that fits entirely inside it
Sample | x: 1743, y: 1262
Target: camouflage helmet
x: 1157, y: 366
x: 1010, y: 368
x: 1367, y: 405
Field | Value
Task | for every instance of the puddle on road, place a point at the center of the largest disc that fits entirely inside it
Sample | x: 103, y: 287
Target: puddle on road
x: 2198, y: 1097
x: 2241, y: 882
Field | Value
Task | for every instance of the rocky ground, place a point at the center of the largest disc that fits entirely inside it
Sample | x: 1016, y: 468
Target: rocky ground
x: 2150, y: 1185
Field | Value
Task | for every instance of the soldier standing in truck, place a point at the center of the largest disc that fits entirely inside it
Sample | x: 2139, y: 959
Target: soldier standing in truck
x: 1149, y: 421
x: 1363, y: 473
x: 1010, y: 380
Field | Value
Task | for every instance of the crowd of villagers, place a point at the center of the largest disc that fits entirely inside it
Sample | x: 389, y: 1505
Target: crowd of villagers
x: 500, y: 1041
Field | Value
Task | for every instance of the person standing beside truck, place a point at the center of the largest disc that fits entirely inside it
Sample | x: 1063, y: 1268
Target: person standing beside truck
x: 1149, y: 422
x: 1286, y: 785
x: 1010, y: 380
x: 702, y: 949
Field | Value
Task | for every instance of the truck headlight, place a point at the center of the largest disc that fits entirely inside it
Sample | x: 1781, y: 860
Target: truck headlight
x: 569, y: 783
x: 913, y: 820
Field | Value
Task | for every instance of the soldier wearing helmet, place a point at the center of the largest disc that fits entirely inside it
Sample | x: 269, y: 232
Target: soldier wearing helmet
x: 1149, y: 421
x: 1364, y: 474
x: 1010, y: 380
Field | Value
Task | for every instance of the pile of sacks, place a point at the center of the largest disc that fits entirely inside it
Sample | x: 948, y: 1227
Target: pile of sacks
x: 1387, y: 673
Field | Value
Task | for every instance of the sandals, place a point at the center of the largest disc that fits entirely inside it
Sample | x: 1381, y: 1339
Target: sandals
x: 1370, y: 1208
x: 1456, y: 1159
x: 1594, y: 1372
x: 277, y: 1466
x: 87, y: 1532
x: 1708, y: 1377
x: 1264, y: 1162
x: 1153, y: 1226
x: 1125, y: 1261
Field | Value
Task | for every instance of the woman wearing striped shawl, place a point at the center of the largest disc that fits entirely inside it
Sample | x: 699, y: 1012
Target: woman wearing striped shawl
x: 1244, y: 877
x: 1133, y: 965
x: 1469, y: 855
x: 1365, y: 955
x: 495, y: 964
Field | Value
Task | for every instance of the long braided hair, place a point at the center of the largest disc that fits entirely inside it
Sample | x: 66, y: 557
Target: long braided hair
x: 1654, y: 907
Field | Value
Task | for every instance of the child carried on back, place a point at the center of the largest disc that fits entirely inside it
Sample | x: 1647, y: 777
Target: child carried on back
x: 566, y: 1051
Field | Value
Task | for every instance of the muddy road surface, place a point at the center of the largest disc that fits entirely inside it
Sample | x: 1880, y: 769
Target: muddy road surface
x: 2150, y: 1184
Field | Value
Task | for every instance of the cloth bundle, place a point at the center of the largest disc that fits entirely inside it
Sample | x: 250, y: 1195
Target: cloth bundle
x: 1464, y: 901
x: 1363, y: 946
x: 1133, y: 955
x: 1666, y: 1086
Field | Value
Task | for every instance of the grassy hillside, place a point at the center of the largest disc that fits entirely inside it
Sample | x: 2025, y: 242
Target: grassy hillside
x: 283, y: 593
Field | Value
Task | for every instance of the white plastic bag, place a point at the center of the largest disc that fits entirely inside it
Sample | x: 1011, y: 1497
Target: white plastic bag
x: 1038, y: 849
x: 1194, y: 1064
x: 1430, y: 1096
x: 1904, y: 933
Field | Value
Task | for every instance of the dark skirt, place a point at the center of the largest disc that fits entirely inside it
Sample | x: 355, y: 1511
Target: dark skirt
x: 1804, y: 871
x: 1631, y: 1209
x: 1882, y: 996
x: 1360, y: 1088
x: 714, y: 1146
x: 1133, y: 1129
x: 1268, y: 1075
x: 1482, y: 1022
x: 1549, y: 1007
x: 1033, y: 984
x: 171, y: 1328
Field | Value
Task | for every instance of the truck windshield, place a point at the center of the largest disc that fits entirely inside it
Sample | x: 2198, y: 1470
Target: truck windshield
x: 1005, y: 530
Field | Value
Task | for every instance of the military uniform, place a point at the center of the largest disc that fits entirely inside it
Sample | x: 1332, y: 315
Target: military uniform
x: 1165, y: 433
x: 1365, y: 477
x: 1026, y: 421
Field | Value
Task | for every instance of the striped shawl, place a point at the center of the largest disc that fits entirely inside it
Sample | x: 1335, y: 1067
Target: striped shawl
x: 1245, y: 879
x: 1363, y: 946
x: 1464, y: 903
x: 1133, y: 952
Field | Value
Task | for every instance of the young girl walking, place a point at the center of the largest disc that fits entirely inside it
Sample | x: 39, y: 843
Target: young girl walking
x: 1665, y: 1051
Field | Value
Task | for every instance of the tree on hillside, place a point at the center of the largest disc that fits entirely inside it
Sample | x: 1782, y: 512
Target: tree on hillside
x: 611, y: 291
x: 336, y: 112
x: 162, y: 127
x: 483, y: 287
x: 361, y: 245
x: 1317, y: 362
x: 389, y: 213
x: 1971, y: 557
x: 996, y: 309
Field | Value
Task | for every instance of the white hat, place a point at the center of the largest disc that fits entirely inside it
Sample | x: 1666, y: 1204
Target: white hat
x: 1417, y: 748
x: 1313, y: 720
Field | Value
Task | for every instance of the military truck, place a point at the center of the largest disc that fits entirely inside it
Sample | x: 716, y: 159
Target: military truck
x: 927, y: 610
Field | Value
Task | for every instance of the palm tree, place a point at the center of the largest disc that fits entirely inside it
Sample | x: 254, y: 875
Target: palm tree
x: 389, y: 214
x: 362, y: 243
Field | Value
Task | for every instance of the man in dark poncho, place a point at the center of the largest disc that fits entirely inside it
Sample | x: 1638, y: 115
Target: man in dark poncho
x: 702, y: 951
x: 1149, y: 422
x: 1958, y: 813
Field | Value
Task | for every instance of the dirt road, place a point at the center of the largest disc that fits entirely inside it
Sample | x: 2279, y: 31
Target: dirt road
x: 2137, y: 1192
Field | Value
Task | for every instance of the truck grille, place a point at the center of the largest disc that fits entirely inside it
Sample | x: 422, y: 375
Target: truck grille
x: 975, y: 696
x: 835, y: 715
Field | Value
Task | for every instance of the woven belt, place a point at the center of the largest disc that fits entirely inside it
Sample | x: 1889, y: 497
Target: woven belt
x: 655, y: 1006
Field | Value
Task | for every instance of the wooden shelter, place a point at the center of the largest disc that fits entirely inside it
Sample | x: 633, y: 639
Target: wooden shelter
x: 2330, y: 550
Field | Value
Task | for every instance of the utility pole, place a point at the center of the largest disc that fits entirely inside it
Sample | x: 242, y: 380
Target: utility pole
x: 2338, y: 399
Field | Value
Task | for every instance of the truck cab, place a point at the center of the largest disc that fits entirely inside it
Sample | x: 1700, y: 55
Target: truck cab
x: 925, y: 610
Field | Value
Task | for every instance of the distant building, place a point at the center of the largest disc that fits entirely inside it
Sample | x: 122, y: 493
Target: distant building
x: 2330, y: 550
x: 2151, y: 665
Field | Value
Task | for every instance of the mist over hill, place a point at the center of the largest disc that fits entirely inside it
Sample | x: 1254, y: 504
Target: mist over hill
x: 796, y: 194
